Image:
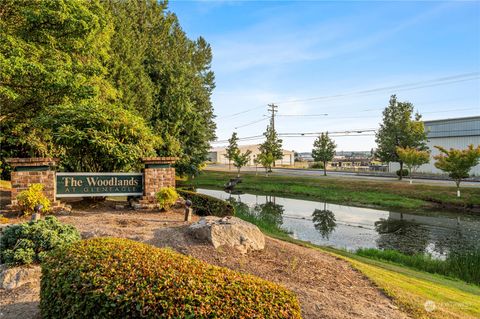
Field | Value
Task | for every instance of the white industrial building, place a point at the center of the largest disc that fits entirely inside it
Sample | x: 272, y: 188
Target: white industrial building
x: 455, y: 133
x: 217, y: 155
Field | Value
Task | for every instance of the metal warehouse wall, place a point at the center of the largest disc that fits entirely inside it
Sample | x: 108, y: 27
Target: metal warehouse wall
x: 449, y: 133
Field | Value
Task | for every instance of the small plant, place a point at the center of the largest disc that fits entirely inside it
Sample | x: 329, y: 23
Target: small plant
x: 3, y: 219
x: 31, y: 197
x: 121, y: 278
x: 318, y: 165
x: 29, y: 242
x: 404, y: 172
x: 166, y: 197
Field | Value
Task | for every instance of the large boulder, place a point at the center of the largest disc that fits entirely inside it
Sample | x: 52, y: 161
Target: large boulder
x: 11, y: 278
x: 228, y: 231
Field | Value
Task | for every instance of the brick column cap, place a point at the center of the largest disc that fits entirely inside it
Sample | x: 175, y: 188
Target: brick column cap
x: 159, y: 160
x: 32, y: 161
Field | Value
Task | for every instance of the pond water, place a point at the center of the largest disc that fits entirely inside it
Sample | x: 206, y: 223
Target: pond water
x: 348, y: 227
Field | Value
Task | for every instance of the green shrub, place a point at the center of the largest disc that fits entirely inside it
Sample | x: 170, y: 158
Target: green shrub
x: 29, y: 198
x: 29, y: 242
x: 404, y: 172
x: 121, y: 278
x: 204, y: 205
x: 318, y: 165
x: 461, y: 265
x: 166, y: 197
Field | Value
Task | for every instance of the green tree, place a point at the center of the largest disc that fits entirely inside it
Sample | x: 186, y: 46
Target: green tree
x: 266, y: 160
x: 113, y: 139
x: 240, y: 160
x: 412, y: 158
x: 323, y: 150
x: 182, y: 112
x: 232, y: 149
x: 399, y: 129
x: 457, y: 163
x: 52, y: 53
x: 271, y: 148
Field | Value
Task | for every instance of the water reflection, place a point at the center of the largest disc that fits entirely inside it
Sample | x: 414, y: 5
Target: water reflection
x: 324, y: 221
x: 270, y: 213
x: 440, y: 234
x: 402, y: 235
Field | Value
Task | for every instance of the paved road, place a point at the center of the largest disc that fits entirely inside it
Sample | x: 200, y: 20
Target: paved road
x: 348, y: 175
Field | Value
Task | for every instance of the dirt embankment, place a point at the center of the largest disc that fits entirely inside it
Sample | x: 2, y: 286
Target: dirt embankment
x: 327, y: 287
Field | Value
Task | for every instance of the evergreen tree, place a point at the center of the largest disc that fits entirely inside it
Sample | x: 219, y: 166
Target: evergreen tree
x: 399, y: 129
x: 232, y: 149
x: 323, y: 150
x: 271, y: 149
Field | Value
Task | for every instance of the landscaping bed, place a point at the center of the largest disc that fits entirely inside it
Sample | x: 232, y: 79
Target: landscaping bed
x: 326, y: 286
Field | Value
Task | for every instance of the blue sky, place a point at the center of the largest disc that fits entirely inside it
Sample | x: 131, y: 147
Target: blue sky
x: 303, y: 55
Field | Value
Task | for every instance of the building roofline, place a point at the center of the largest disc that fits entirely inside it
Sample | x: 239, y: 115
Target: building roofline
x: 453, y: 119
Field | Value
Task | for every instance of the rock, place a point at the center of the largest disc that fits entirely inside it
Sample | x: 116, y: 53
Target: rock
x: 11, y: 278
x: 119, y: 206
x: 229, y: 231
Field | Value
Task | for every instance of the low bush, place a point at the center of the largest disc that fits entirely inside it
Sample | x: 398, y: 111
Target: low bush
x: 3, y: 219
x: 28, y: 243
x: 459, y: 265
x: 29, y: 198
x: 121, y: 278
x: 404, y: 172
x: 204, y: 205
x: 166, y: 197
x: 318, y: 165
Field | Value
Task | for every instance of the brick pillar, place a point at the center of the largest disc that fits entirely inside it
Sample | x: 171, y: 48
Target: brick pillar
x: 35, y: 170
x: 158, y: 173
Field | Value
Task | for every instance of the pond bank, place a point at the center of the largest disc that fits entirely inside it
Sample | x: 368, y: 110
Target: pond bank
x: 326, y: 286
x: 397, y: 195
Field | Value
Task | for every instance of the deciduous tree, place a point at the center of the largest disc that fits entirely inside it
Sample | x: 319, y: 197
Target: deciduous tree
x: 412, y: 158
x: 399, y: 129
x: 240, y: 160
x: 457, y: 163
x: 323, y: 150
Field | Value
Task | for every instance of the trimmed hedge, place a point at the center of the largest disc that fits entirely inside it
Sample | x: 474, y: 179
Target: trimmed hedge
x: 204, y: 205
x: 121, y: 278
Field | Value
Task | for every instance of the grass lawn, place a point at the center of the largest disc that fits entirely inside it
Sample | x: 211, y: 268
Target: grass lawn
x: 384, y: 194
x: 409, y: 288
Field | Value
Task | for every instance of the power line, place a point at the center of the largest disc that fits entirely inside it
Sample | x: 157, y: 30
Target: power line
x: 369, y: 110
x: 406, y: 86
x: 401, y: 87
x: 250, y: 123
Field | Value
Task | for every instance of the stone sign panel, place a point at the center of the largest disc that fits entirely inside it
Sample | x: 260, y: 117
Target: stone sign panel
x: 99, y: 184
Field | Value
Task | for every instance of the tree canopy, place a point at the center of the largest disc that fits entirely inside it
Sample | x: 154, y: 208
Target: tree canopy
x: 412, y: 158
x: 270, y: 149
x: 399, y: 128
x: 129, y: 60
x: 323, y: 150
x: 457, y: 163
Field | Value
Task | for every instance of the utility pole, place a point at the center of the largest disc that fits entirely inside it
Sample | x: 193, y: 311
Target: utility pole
x: 273, y: 109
